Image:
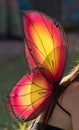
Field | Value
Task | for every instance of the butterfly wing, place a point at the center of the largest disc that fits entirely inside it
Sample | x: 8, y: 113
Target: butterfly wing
x: 46, y: 50
x: 30, y: 60
x: 46, y: 43
x: 29, y: 97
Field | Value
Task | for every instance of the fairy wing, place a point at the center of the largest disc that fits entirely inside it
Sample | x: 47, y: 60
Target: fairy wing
x: 29, y: 97
x: 46, y: 51
x: 30, y: 60
x: 46, y: 44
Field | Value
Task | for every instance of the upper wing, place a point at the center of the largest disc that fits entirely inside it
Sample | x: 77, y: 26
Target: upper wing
x: 29, y: 97
x: 46, y: 44
x: 29, y: 58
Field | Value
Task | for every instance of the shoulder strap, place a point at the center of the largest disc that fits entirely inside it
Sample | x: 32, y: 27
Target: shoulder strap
x: 63, y: 109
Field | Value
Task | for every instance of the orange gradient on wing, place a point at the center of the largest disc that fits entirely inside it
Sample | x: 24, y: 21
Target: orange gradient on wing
x: 46, y: 42
x: 28, y: 95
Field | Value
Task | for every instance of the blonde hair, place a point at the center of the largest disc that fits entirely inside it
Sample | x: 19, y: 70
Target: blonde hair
x: 73, y: 75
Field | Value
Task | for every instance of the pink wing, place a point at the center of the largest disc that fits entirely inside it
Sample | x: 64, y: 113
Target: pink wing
x: 46, y: 45
x: 29, y: 58
x: 46, y: 51
x: 29, y: 97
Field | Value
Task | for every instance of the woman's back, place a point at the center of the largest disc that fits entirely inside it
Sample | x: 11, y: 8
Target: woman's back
x: 59, y: 117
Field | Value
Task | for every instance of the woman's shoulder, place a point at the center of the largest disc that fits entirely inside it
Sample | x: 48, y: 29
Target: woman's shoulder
x: 70, y: 98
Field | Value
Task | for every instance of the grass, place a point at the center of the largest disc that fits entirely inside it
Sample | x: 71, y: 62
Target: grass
x: 12, y: 68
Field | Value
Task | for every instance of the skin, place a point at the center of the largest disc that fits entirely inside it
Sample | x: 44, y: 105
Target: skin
x: 69, y: 100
